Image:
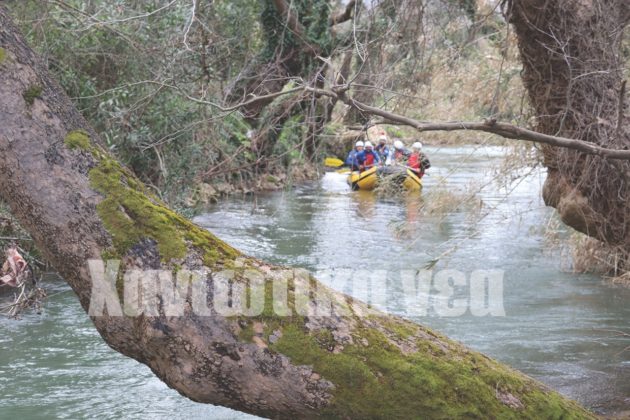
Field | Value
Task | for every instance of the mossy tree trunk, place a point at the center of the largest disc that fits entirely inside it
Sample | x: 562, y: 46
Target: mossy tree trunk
x: 79, y: 204
x: 573, y: 72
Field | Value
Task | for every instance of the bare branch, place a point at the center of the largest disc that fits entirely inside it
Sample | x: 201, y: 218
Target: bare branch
x: 622, y: 95
x: 506, y: 130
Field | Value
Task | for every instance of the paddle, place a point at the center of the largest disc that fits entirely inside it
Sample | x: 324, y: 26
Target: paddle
x: 333, y: 162
x: 336, y: 163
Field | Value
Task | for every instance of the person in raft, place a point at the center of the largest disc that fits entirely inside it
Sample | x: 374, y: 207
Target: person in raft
x: 418, y: 161
x: 367, y: 158
x: 382, y: 149
x: 401, y: 154
x: 351, y: 159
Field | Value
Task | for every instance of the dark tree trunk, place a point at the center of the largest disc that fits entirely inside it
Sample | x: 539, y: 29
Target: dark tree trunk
x: 572, y: 70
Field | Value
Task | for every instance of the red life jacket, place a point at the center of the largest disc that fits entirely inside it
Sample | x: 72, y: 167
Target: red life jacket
x: 369, y: 159
x: 414, y: 163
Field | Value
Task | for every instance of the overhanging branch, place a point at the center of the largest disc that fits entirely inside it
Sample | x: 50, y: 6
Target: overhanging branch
x: 502, y: 129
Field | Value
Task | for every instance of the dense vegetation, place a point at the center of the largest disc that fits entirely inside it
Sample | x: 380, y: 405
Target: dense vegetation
x: 154, y: 78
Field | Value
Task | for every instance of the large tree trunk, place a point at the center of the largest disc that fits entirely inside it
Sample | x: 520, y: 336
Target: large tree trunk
x: 79, y: 204
x: 572, y: 69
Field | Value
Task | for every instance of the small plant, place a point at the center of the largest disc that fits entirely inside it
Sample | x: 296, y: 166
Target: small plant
x: 35, y: 91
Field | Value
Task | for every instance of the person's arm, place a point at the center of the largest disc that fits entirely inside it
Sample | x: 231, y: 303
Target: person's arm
x: 358, y: 158
x: 350, y: 158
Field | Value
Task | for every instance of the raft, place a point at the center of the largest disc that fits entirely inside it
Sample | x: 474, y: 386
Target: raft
x: 368, y: 180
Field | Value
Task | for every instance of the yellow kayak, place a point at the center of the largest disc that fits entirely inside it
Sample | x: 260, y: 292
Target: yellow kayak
x: 368, y: 180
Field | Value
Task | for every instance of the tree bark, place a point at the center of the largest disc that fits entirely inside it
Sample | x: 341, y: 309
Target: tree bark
x: 572, y: 70
x: 79, y: 204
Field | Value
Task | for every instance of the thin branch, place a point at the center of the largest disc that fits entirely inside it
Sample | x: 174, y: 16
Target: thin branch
x: 142, y: 16
x: 193, y: 14
x: 622, y: 94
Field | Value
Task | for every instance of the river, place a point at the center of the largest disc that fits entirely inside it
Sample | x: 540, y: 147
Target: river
x: 558, y: 327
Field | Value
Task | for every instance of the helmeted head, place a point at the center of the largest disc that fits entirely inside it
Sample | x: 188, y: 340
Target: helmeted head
x: 398, y: 145
x: 416, y: 147
x: 368, y: 145
x: 382, y: 139
x: 358, y: 145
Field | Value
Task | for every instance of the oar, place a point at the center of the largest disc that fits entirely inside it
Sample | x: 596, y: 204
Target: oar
x: 333, y: 162
x: 336, y: 163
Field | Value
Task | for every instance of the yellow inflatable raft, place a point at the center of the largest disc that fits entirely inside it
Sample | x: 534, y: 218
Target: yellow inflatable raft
x: 368, y: 180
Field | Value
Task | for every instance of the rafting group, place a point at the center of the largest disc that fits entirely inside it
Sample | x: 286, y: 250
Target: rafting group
x: 371, y: 164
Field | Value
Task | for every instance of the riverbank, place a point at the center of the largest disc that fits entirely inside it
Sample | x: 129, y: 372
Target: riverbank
x: 204, y: 193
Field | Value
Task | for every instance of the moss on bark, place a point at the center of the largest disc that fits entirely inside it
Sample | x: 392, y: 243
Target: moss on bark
x: 131, y: 213
x: 393, y: 368
x: 77, y: 139
x: 374, y: 379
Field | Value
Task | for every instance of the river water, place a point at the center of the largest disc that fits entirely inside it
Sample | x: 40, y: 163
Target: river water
x: 559, y: 327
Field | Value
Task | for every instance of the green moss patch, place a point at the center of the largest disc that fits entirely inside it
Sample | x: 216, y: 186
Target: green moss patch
x: 378, y: 381
x: 78, y: 139
x: 3, y: 55
x: 31, y: 94
x: 131, y: 213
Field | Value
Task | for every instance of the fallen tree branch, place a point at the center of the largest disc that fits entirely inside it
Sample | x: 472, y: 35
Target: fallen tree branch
x: 502, y: 129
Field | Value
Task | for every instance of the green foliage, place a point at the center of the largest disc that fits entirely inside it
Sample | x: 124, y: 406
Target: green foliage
x: 133, y: 78
x: 312, y: 15
x: 110, y: 68
x: 292, y: 134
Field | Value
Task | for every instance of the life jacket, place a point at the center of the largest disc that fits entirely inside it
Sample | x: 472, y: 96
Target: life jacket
x: 419, y: 163
x: 369, y: 159
x: 414, y: 162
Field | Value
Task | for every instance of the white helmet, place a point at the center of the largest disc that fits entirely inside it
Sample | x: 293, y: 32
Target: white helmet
x: 358, y: 144
x: 368, y: 144
x: 417, y: 145
x: 382, y: 138
x: 398, y: 144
